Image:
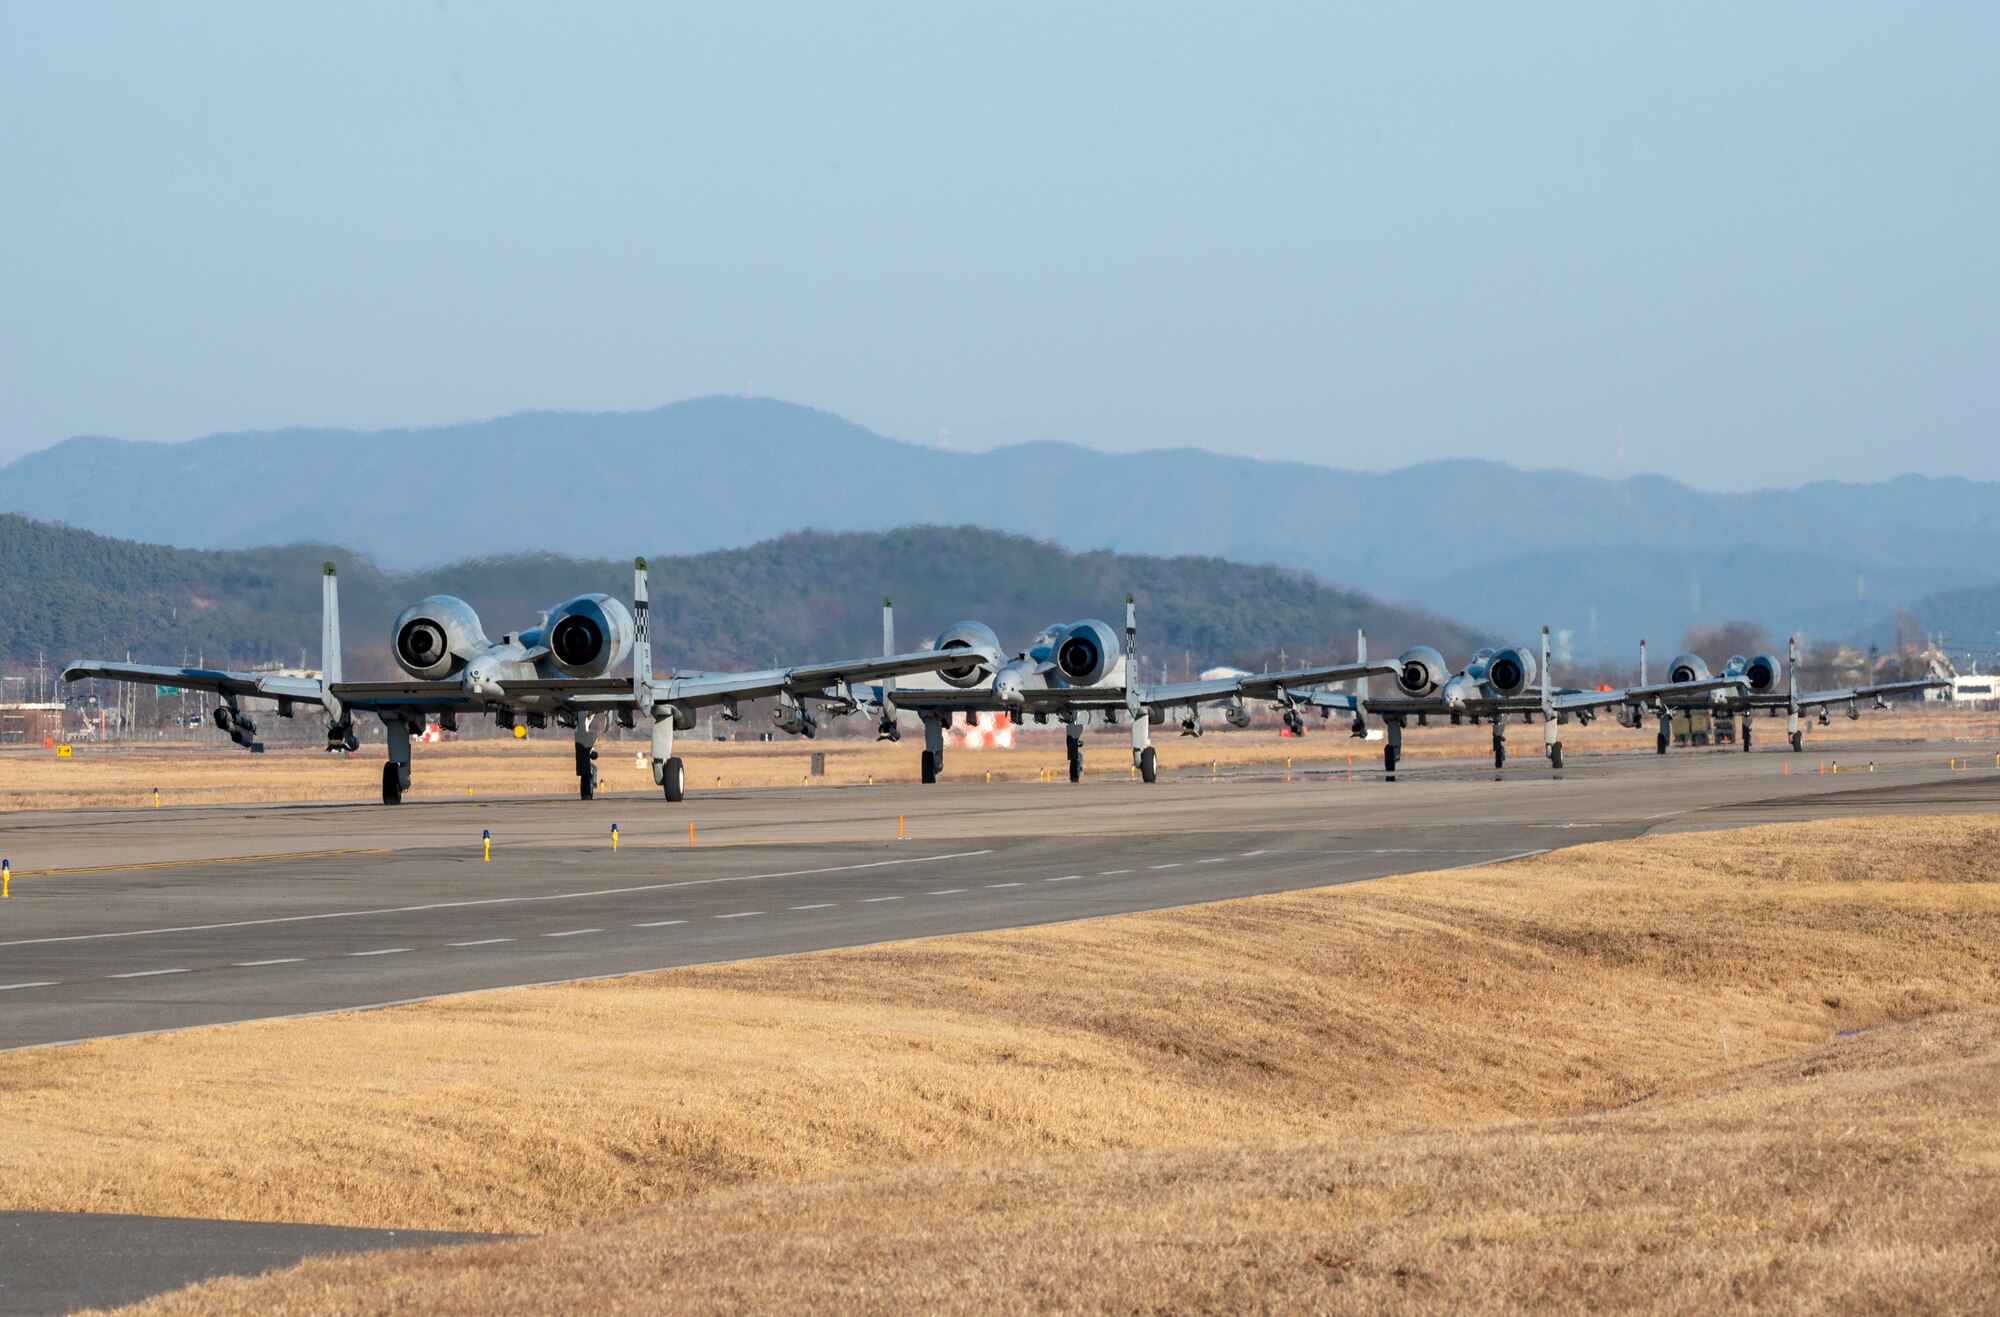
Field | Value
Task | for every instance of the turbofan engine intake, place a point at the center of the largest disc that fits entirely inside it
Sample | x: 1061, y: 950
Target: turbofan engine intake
x: 436, y: 637
x: 1084, y: 652
x: 589, y: 635
x: 1763, y: 672
x: 975, y: 671
x: 1511, y: 671
x: 1687, y: 667
x: 1421, y: 671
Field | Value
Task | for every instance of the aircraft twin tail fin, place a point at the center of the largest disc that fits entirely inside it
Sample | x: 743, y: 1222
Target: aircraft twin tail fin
x: 329, y: 626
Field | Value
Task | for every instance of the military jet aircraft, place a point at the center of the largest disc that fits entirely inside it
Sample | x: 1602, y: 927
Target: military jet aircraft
x: 1758, y: 690
x: 1493, y: 685
x: 1075, y: 675
x: 558, y: 669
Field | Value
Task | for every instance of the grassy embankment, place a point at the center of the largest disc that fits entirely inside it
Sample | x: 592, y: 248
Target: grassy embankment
x: 1748, y: 1070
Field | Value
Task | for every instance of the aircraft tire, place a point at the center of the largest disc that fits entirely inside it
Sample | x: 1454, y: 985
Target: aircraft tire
x: 1660, y: 743
x: 1389, y: 758
x: 1746, y: 738
x: 586, y: 786
x: 930, y: 769
x: 1148, y: 766
x: 1076, y: 770
x: 1556, y: 755
x: 392, y: 785
x: 1499, y: 756
x: 673, y: 780
x: 1798, y: 742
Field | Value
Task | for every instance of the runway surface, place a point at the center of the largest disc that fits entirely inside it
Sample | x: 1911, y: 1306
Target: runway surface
x: 57, y: 1261
x: 124, y: 922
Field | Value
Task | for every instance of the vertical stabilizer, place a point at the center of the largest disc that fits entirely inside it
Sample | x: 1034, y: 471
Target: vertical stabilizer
x: 888, y: 627
x: 1642, y: 660
x: 329, y: 626
x: 1361, y: 656
x: 1548, y: 695
x: 1132, y: 657
x: 642, y: 640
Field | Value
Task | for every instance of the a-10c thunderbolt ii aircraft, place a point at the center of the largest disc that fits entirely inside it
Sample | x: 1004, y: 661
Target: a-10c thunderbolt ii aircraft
x: 1759, y: 689
x: 1494, y: 685
x: 1075, y: 674
x: 559, y: 669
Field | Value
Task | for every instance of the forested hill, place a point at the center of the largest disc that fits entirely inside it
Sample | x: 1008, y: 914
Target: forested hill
x: 67, y: 594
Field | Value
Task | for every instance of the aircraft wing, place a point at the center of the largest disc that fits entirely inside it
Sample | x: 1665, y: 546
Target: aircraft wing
x: 268, y: 685
x: 807, y: 681
x: 1259, y: 685
x: 1844, y: 694
x: 1566, y: 700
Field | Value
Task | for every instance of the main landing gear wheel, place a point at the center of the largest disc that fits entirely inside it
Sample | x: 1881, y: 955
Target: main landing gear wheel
x: 1075, y: 762
x: 1389, y: 758
x: 392, y: 785
x: 586, y: 786
x: 1556, y: 755
x: 1148, y: 766
x: 1660, y: 743
x: 1499, y: 756
x: 673, y: 781
x: 930, y: 769
x: 1798, y: 742
x: 1746, y: 738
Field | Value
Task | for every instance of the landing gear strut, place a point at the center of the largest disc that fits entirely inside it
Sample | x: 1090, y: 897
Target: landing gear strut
x: 933, y: 760
x: 668, y: 774
x: 396, y: 773
x: 586, y: 760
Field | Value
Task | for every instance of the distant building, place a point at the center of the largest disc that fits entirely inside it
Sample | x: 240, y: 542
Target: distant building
x: 1978, y: 691
x: 30, y: 724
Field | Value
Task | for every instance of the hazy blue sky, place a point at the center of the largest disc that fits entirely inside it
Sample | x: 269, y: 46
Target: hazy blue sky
x: 1761, y: 237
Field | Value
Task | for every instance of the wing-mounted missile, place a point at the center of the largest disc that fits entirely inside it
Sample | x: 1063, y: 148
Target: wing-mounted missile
x: 1421, y: 672
x: 975, y: 637
x: 436, y: 637
x: 1687, y: 667
x: 240, y: 726
x: 1085, y: 653
x: 589, y: 635
x: 793, y: 718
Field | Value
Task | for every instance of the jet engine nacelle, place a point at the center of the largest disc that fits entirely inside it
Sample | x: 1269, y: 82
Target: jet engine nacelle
x: 589, y: 635
x: 1084, y: 652
x: 1687, y: 667
x: 1421, y: 671
x: 968, y: 635
x: 436, y: 637
x: 1510, y: 671
x: 1763, y: 673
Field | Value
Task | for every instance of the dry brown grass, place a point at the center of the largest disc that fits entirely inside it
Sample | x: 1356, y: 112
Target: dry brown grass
x: 125, y: 776
x: 1604, y: 1076
x: 1861, y: 1176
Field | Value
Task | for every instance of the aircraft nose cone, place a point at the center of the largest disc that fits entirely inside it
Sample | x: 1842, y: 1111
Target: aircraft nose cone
x: 1007, y: 688
x: 479, y: 679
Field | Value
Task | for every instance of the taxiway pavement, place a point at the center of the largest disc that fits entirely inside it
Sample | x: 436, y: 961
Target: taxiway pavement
x: 126, y: 922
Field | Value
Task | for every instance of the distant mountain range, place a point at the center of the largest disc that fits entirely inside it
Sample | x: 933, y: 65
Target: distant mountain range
x: 67, y: 594
x: 1501, y: 548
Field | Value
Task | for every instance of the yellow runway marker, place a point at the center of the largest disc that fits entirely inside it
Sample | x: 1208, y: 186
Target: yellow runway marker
x: 486, y: 843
